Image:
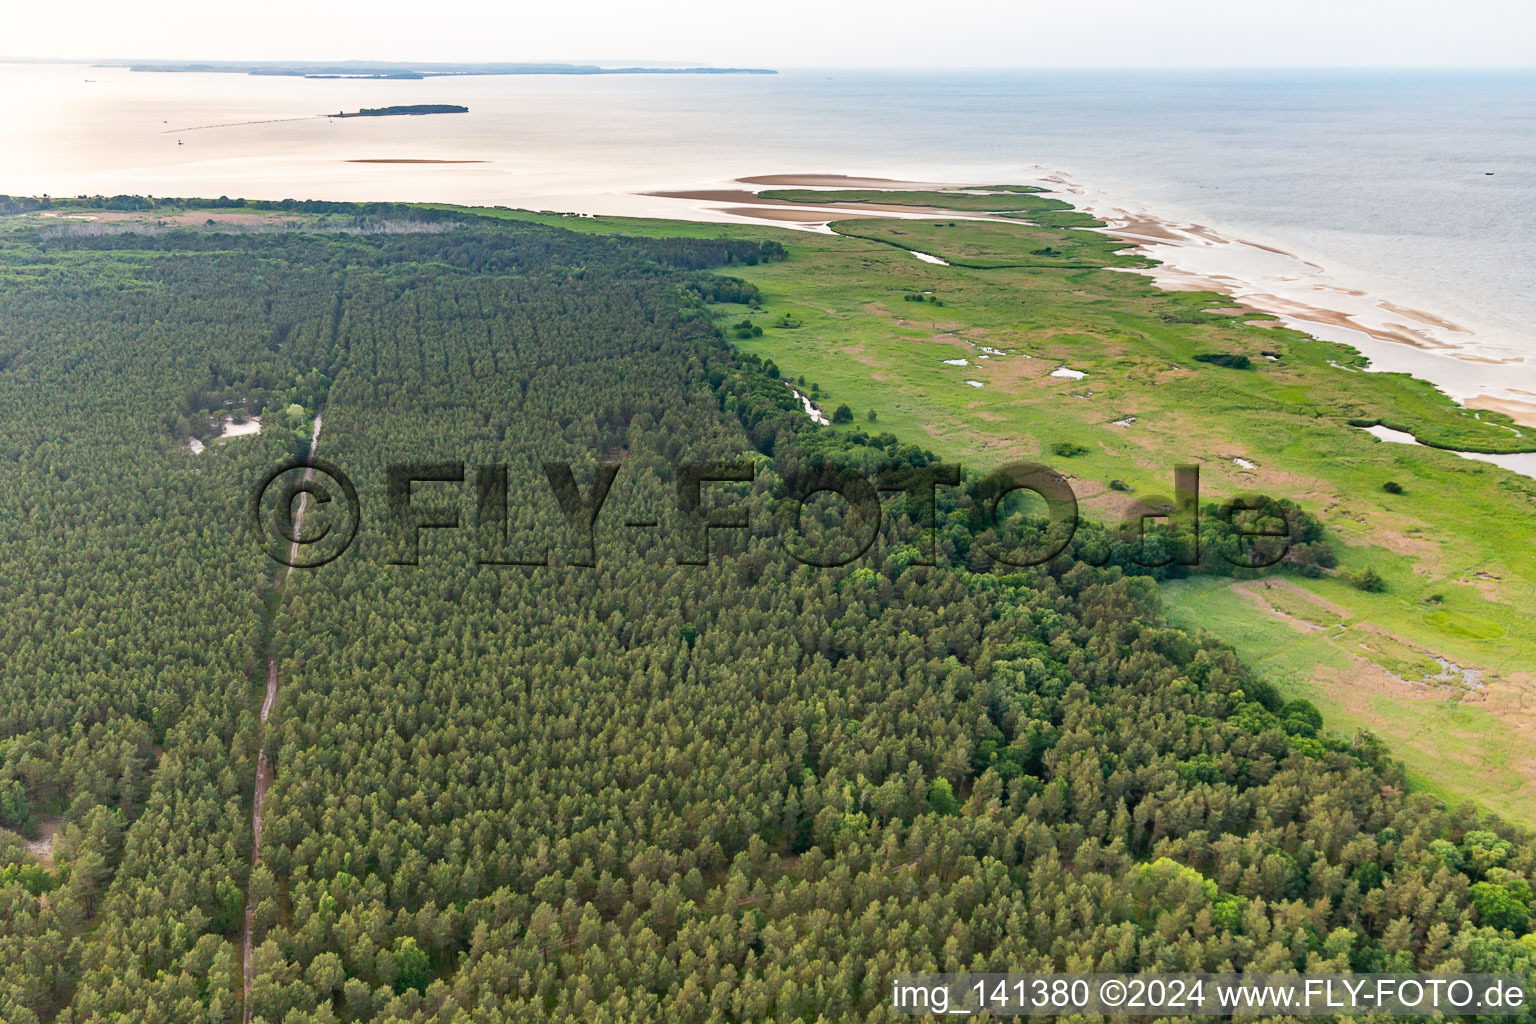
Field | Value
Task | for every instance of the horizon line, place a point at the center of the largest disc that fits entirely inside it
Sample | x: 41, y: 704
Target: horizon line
x: 643, y: 62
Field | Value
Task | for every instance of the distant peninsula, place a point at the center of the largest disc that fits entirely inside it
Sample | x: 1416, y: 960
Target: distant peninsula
x: 404, y: 111
x: 410, y: 70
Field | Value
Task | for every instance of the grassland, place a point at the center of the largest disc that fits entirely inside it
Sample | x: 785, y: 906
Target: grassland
x: 882, y: 330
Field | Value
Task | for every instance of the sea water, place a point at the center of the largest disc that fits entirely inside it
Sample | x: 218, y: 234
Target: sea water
x: 1418, y: 186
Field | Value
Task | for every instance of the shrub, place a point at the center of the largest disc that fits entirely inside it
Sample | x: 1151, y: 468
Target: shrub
x: 842, y: 414
x: 1368, y: 580
x: 871, y: 416
x: 1069, y: 450
x: 1312, y: 557
x: 1120, y: 485
x: 1392, y: 487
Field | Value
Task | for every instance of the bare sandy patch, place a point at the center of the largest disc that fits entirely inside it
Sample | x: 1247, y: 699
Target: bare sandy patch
x: 1419, y: 315
x: 1137, y: 229
x: 1112, y: 506
x: 1353, y: 686
x: 42, y: 846
x: 1487, y: 584
x: 1402, y: 334
x: 1402, y: 544
x: 1523, y: 413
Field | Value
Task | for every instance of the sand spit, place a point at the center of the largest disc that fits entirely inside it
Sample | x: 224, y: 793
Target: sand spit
x: 836, y: 181
x: 780, y: 215
x: 1523, y: 413
x: 745, y: 198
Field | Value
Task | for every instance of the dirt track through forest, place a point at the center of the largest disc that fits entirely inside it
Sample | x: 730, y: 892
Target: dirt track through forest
x: 263, y: 769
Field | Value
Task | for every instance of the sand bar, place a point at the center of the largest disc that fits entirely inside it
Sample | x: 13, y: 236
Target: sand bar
x: 745, y: 198
x: 782, y: 216
x: 835, y: 181
x: 411, y: 160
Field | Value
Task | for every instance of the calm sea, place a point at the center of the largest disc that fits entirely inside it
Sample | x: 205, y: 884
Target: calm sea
x: 1420, y: 187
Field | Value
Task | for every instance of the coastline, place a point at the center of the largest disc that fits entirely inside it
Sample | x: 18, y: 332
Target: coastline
x: 1477, y: 368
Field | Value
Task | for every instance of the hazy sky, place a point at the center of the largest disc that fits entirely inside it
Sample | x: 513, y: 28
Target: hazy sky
x: 803, y: 33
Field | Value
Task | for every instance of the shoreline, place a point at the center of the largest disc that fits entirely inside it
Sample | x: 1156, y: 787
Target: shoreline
x: 1478, y: 369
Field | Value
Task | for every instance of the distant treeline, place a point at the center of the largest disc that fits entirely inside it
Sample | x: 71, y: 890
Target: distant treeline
x: 10, y: 205
x: 364, y: 69
x: 404, y: 110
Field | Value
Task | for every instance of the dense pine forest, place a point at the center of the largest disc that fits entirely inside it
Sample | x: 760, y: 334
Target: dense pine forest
x: 640, y: 790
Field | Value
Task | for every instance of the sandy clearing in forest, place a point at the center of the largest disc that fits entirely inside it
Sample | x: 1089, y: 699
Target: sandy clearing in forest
x: 42, y: 847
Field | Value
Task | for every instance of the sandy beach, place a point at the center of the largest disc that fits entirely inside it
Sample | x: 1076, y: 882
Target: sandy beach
x: 1481, y: 370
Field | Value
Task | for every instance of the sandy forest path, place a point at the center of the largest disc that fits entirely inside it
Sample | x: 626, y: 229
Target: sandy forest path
x: 263, y: 769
